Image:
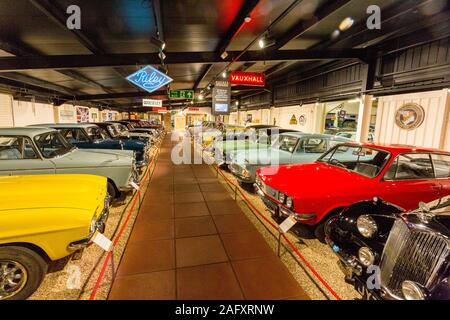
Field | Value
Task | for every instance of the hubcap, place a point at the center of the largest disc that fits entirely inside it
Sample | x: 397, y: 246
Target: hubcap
x: 13, y: 277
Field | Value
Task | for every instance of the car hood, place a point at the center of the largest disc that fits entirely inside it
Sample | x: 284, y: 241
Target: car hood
x: 134, y: 145
x: 262, y: 156
x: 97, y: 158
x: 301, y: 179
x: 75, y: 191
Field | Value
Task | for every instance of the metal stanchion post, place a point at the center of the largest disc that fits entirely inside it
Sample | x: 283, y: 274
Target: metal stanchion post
x: 235, y: 192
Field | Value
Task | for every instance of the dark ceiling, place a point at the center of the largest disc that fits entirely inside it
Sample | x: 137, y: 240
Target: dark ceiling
x: 110, y: 28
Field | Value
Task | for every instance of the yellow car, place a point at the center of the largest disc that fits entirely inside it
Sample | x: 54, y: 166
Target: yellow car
x: 45, y: 218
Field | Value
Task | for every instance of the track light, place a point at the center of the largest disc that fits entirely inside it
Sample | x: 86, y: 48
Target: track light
x: 224, y: 55
x: 261, y: 43
x: 224, y: 74
x: 346, y: 24
x: 162, y: 55
x: 201, y: 97
x: 158, y: 43
x: 266, y: 41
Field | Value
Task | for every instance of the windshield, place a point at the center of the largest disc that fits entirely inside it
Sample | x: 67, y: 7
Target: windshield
x: 121, y: 128
x: 96, y: 133
x: 285, y: 143
x: 364, y: 161
x: 52, y: 144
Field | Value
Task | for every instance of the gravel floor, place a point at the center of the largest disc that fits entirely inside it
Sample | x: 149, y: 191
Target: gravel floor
x: 77, y: 279
x: 316, y: 253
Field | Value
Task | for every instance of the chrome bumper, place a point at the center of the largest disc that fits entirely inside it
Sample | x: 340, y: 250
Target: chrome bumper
x: 100, y: 226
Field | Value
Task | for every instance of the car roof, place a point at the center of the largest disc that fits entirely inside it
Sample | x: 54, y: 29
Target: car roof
x: 261, y: 126
x: 399, y: 148
x: 68, y: 125
x: 25, y: 131
x: 299, y: 134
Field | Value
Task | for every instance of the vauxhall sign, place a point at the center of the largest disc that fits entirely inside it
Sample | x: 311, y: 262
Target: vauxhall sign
x: 149, y: 79
x: 248, y: 78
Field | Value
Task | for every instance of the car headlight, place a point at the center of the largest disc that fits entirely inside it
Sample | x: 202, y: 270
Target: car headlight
x: 289, y: 202
x: 93, y: 226
x: 366, y: 256
x: 246, y: 173
x: 412, y: 291
x: 281, y: 197
x: 367, y: 226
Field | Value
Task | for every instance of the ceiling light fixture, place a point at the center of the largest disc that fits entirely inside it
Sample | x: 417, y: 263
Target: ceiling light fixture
x: 248, y: 19
x: 224, y: 74
x: 162, y: 55
x: 261, y: 43
x: 200, y: 97
x: 336, y: 33
x: 158, y: 43
x: 224, y: 55
x: 346, y: 24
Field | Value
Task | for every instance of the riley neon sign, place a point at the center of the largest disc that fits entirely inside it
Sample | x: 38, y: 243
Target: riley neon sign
x: 248, y: 78
x: 149, y: 79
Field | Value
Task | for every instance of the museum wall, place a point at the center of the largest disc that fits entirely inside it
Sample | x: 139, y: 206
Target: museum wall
x: 431, y: 133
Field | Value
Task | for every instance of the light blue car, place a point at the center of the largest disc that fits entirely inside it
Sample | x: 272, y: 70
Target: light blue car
x: 289, y: 148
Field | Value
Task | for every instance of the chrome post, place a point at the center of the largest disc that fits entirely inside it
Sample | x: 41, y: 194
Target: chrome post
x: 279, y: 244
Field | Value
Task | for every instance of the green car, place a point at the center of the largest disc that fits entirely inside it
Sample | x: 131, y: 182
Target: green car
x: 289, y: 148
x: 34, y: 150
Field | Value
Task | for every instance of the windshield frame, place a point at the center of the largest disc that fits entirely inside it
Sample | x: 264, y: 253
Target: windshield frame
x: 333, y: 150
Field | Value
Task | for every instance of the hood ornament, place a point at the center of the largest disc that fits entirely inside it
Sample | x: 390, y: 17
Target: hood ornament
x: 424, y: 213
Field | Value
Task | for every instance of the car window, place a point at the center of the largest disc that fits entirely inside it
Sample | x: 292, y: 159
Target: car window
x: 16, y: 148
x: 312, y: 145
x: 95, y: 133
x: 364, y: 161
x: 441, y: 165
x: 411, y: 166
x: 75, y: 135
x: 286, y: 143
x: 52, y: 144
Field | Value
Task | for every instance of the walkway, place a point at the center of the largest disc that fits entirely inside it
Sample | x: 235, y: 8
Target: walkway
x: 191, y: 241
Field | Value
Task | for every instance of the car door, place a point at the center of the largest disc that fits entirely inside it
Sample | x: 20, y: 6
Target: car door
x: 441, y: 164
x: 410, y: 179
x: 22, y: 158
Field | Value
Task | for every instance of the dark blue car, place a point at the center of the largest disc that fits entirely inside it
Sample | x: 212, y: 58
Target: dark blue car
x: 91, y: 136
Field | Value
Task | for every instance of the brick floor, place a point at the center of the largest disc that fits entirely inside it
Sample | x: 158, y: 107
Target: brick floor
x: 191, y: 241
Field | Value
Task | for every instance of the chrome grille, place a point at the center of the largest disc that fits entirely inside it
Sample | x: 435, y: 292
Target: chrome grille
x: 236, y: 168
x: 411, y: 254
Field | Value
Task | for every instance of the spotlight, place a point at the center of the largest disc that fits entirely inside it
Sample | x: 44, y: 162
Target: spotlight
x: 224, y: 74
x: 201, y: 97
x: 261, y: 43
x: 162, y: 55
x: 346, y: 24
x: 237, y: 103
x: 158, y: 43
x: 224, y: 55
x: 335, y: 34
x: 248, y: 19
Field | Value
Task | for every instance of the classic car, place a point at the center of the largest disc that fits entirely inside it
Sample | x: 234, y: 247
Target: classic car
x: 352, y: 135
x: 224, y: 150
x: 315, y: 192
x: 122, y: 131
x: 91, y: 136
x: 43, y: 219
x: 113, y: 133
x: 289, y: 148
x: 34, y: 150
x: 387, y: 253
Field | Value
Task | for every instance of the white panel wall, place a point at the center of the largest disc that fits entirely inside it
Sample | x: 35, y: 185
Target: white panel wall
x: 432, y: 133
x: 284, y: 115
x: 28, y: 113
x: 6, y: 115
x: 66, y: 114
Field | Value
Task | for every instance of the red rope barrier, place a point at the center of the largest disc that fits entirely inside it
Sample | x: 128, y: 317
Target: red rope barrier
x: 297, y: 252
x: 119, y: 235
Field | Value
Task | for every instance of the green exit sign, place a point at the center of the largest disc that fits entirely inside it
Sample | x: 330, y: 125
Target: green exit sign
x: 181, y: 94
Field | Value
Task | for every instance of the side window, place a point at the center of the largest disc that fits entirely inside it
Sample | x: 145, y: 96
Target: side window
x: 414, y: 166
x: 441, y: 165
x: 16, y: 148
x: 390, y: 172
x: 312, y: 145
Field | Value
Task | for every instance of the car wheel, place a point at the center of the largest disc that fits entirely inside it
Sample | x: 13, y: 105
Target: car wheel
x: 249, y: 187
x: 111, y: 190
x: 319, y: 232
x: 21, y: 272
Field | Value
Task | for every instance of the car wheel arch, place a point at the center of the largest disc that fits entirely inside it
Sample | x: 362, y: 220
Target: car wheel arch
x: 113, y: 184
x: 31, y: 246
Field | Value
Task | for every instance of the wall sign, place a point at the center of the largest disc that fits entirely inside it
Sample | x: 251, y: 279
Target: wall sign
x: 410, y: 116
x: 82, y: 114
x: 149, y: 79
x: 302, y: 120
x: 248, y: 78
x: 221, y: 98
x: 293, y: 120
x: 151, y: 103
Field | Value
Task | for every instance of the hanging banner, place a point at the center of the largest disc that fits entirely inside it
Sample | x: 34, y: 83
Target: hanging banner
x: 248, y: 78
x: 221, y: 95
x: 149, y: 79
x: 151, y: 103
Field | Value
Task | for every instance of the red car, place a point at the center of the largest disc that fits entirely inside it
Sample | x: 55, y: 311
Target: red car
x: 315, y: 192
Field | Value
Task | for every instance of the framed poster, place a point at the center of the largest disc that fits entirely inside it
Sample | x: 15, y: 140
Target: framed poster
x: 82, y: 114
x: 221, y: 98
